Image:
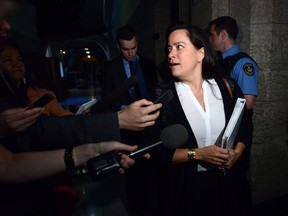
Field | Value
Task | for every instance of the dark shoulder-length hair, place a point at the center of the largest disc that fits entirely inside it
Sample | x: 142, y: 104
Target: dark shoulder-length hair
x: 199, y: 38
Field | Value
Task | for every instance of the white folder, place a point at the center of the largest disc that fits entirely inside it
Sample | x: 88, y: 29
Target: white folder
x: 233, y: 125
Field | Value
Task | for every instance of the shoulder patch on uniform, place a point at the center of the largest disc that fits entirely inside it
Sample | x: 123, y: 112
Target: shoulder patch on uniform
x: 249, y: 69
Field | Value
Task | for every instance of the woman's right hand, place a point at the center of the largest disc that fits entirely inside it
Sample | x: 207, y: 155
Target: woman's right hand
x: 213, y: 155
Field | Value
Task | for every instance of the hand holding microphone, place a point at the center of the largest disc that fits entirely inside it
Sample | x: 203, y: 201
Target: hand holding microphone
x: 171, y: 137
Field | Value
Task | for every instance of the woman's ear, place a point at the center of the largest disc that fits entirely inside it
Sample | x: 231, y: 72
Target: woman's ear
x: 201, y: 55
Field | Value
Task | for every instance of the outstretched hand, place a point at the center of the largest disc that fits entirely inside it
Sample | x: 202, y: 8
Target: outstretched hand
x: 17, y: 120
x: 125, y: 160
x: 139, y: 115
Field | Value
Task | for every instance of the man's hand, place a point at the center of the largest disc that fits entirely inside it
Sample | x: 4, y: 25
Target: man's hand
x: 17, y: 120
x: 138, y: 115
x: 125, y: 161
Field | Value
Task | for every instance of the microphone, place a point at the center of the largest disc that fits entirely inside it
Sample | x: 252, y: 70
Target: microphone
x: 114, y: 95
x: 171, y: 137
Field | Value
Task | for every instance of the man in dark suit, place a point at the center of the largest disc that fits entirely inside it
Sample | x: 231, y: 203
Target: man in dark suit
x: 129, y: 63
x: 115, y: 73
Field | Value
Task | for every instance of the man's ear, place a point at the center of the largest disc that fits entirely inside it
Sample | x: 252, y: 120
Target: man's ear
x: 224, y: 34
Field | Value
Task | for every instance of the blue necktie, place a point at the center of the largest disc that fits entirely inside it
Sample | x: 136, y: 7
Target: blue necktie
x: 137, y: 92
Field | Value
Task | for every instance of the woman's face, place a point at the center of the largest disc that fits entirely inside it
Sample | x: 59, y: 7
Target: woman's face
x: 12, y: 64
x: 185, y: 60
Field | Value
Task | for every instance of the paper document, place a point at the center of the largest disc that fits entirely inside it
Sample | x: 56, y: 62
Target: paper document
x: 86, y: 106
x: 233, y: 125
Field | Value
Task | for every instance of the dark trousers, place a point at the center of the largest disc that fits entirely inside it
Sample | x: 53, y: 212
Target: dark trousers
x: 208, y: 193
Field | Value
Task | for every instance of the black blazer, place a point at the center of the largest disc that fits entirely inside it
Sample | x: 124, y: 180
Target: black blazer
x: 173, y: 113
x: 175, y: 179
x: 114, y: 75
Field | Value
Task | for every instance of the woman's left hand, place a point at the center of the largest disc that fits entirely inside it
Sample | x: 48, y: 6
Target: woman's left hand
x: 233, y: 157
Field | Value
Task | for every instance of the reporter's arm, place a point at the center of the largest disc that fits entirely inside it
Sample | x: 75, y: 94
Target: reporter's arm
x: 29, y: 166
x: 57, y: 132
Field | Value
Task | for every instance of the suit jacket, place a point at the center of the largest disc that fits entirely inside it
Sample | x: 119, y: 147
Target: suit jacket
x: 114, y: 75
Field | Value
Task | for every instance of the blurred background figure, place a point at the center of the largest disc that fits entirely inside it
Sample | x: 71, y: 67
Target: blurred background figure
x: 12, y: 64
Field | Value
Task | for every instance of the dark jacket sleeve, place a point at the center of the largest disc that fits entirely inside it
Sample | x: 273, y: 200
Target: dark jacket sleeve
x: 115, y: 85
x: 58, y: 132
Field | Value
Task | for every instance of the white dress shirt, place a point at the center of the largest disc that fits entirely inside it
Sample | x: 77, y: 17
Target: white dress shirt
x: 206, y: 124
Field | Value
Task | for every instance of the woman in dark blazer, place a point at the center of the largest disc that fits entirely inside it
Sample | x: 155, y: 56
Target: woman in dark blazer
x: 200, y: 177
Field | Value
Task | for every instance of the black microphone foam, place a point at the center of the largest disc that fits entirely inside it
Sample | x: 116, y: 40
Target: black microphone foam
x: 171, y: 137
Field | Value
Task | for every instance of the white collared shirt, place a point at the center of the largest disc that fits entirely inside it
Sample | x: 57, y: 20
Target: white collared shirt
x: 206, y: 124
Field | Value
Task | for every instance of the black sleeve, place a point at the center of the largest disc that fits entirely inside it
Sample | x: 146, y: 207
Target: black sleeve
x: 58, y: 132
x: 106, y: 80
x: 109, y: 89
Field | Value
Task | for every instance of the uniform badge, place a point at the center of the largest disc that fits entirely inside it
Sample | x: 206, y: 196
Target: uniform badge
x: 248, y: 69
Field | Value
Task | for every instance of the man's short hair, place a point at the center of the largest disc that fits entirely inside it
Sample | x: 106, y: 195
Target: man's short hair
x: 227, y: 23
x: 125, y: 33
